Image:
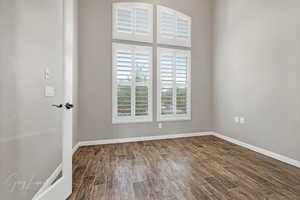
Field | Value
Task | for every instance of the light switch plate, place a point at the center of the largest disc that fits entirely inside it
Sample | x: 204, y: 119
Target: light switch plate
x: 49, y: 91
x: 242, y: 120
x: 237, y: 120
x: 47, y: 74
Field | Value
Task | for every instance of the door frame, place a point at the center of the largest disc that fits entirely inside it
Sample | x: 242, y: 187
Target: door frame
x: 62, y: 188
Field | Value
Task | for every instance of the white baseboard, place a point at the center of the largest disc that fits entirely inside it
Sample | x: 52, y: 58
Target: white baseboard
x: 76, y: 147
x: 49, y: 181
x: 265, y: 152
x: 139, y: 139
x: 53, y: 176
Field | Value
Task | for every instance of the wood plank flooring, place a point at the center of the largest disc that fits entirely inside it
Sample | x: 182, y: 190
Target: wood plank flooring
x: 196, y: 168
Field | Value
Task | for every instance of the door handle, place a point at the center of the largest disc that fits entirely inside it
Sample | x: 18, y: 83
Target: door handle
x: 58, y: 106
x: 69, y: 106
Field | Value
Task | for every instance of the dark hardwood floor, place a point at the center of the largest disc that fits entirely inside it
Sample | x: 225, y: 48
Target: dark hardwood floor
x: 196, y: 168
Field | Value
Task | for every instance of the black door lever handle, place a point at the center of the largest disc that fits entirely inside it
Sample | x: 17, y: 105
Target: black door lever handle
x: 69, y: 106
x: 58, y: 106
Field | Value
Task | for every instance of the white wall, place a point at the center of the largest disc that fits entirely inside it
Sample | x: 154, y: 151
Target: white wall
x: 256, y: 73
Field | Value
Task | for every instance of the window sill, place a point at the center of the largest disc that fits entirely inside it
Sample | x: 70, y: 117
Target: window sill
x: 163, y: 119
x: 131, y: 121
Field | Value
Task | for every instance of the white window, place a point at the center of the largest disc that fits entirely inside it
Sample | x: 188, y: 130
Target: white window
x: 132, y: 83
x: 133, y: 21
x: 174, y: 84
x: 173, y: 27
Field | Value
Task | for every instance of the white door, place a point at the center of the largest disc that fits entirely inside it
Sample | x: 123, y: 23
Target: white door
x: 62, y: 187
x: 36, y: 70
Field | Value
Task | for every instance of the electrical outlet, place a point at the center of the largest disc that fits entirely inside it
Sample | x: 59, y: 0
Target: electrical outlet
x: 242, y: 120
x: 237, y: 120
x: 159, y: 125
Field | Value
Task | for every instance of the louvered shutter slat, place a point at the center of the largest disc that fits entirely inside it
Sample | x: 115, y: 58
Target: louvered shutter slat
x: 174, y: 27
x: 182, y: 32
x: 166, y: 78
x: 181, y: 84
x: 181, y: 70
x: 124, y: 74
x: 141, y: 101
x: 133, y: 21
x: 181, y: 100
x: 124, y: 101
x: 142, y: 61
x: 142, y: 21
x: 124, y: 20
x: 124, y: 65
x: 167, y: 25
x: 166, y: 67
x: 166, y: 101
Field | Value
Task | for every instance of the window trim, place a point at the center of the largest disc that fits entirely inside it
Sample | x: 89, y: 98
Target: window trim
x: 173, y: 42
x: 132, y: 37
x: 174, y: 117
x: 132, y: 119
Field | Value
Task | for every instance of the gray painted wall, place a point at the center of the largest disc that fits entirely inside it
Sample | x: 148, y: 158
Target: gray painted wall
x: 95, y: 41
x: 31, y: 38
x: 256, y: 73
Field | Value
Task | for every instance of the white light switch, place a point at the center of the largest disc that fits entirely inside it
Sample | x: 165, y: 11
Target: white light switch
x: 237, y: 120
x: 47, y: 74
x: 49, y: 91
x: 242, y: 120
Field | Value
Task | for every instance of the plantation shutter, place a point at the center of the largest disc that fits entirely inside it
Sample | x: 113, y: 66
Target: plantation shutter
x: 182, y: 28
x: 181, y: 84
x: 167, y: 25
x: 142, y: 79
x: 133, y: 21
x: 174, y: 84
x: 124, y: 60
x: 142, y: 26
x: 174, y: 28
x: 167, y: 79
x: 124, y: 20
x: 132, y: 83
x: 124, y: 100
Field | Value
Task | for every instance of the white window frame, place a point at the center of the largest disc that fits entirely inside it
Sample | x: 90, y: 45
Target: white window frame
x: 133, y: 36
x: 174, y: 117
x: 173, y: 42
x: 131, y: 119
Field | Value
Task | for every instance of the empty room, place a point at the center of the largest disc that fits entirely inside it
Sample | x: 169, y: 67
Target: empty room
x: 149, y: 100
